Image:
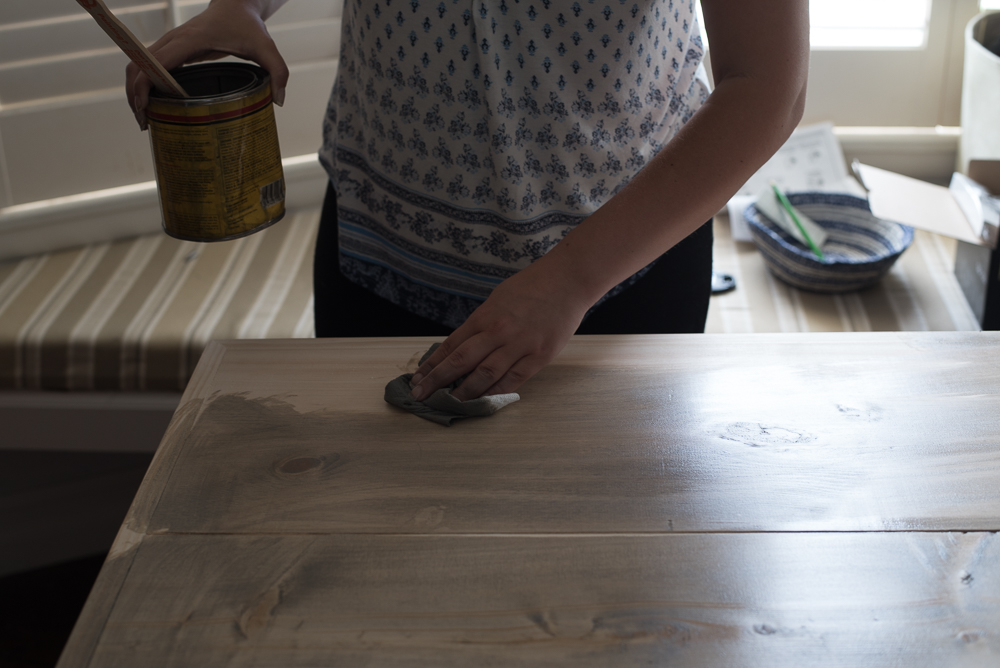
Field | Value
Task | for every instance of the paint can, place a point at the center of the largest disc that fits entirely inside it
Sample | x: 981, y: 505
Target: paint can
x: 216, y: 155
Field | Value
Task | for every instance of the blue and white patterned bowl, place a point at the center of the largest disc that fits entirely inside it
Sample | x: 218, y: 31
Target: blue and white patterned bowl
x: 859, y: 250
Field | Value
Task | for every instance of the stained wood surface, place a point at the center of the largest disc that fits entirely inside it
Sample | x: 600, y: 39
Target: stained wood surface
x: 757, y: 433
x: 681, y: 599
x: 648, y: 499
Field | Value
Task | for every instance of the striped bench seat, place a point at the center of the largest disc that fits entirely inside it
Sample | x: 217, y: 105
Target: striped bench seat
x: 136, y: 314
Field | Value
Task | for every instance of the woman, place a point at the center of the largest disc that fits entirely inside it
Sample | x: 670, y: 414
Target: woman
x: 514, y: 170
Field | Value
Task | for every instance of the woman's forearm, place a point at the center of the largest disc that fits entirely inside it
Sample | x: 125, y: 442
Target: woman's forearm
x: 760, y: 54
x: 692, y: 177
x: 760, y: 57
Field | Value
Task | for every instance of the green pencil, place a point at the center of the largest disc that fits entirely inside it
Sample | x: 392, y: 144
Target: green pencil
x: 798, y: 223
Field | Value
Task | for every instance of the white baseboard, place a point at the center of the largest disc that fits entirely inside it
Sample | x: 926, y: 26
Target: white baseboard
x: 119, y: 213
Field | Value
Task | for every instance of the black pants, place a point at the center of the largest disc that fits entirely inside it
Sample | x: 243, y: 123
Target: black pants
x: 671, y: 298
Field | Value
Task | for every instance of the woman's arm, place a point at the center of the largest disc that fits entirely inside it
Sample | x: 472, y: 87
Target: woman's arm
x: 760, y: 56
x: 226, y: 27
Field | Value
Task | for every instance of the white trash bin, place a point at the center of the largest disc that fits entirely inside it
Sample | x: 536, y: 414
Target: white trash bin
x: 981, y: 91
x: 977, y: 268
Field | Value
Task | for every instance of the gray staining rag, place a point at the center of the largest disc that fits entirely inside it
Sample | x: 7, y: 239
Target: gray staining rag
x: 442, y: 407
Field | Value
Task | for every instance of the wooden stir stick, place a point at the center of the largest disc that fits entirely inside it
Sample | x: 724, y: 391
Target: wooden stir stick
x: 132, y: 47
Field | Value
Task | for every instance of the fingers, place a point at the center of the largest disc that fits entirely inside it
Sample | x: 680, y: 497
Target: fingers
x: 436, y: 358
x: 267, y: 56
x: 173, y: 53
x: 501, y: 371
x: 519, y: 329
x: 219, y: 31
x: 137, y: 91
x: 454, y: 358
x: 490, y: 367
x: 524, y: 369
x: 487, y: 374
x: 131, y: 73
x: 138, y: 85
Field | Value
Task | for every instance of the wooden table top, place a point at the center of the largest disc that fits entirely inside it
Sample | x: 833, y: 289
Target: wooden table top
x: 821, y: 499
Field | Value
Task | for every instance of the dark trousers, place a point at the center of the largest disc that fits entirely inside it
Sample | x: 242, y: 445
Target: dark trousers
x: 672, y: 298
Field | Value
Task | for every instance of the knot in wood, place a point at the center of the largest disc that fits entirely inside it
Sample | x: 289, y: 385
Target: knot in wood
x: 298, y: 465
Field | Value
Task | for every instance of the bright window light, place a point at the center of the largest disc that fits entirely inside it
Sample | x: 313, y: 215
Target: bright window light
x: 869, y: 24
x: 989, y: 4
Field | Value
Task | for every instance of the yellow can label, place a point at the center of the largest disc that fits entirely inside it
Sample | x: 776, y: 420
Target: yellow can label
x: 218, y: 166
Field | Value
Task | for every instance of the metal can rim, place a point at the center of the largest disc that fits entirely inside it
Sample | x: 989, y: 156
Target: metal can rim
x: 260, y: 81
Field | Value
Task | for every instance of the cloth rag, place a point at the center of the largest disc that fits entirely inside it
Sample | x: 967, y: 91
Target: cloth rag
x: 442, y: 407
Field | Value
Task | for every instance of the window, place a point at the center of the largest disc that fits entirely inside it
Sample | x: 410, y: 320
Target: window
x: 888, y: 62
x: 65, y: 127
x: 869, y: 24
x: 895, y: 63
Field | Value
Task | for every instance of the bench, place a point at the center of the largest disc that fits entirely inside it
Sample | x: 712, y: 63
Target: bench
x: 136, y: 314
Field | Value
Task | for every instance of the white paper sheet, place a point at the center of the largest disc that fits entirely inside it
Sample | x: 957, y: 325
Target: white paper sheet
x: 767, y: 203
x: 811, y: 159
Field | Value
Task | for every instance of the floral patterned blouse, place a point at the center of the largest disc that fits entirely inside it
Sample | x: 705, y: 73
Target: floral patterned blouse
x: 465, y: 138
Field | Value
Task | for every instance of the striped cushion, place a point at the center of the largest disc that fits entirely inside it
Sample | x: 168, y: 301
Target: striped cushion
x: 136, y: 314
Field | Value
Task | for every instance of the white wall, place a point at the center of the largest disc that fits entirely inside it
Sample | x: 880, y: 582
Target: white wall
x: 67, y: 132
x: 895, y: 87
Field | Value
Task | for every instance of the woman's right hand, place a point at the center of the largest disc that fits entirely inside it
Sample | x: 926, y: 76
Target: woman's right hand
x: 226, y: 27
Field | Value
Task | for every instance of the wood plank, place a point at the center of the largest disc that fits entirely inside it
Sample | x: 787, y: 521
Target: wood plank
x: 834, y: 432
x: 878, y: 599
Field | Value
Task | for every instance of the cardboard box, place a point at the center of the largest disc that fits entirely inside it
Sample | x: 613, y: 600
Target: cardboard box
x: 971, y: 217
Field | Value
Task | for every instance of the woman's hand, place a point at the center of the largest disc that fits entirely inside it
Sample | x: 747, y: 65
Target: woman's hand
x: 521, y: 327
x: 226, y: 27
x: 758, y: 101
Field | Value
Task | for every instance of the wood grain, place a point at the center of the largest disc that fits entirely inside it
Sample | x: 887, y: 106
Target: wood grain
x: 734, y: 433
x: 729, y: 500
x: 908, y: 599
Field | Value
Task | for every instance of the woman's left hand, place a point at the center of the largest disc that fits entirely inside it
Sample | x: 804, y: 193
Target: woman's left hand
x: 518, y: 330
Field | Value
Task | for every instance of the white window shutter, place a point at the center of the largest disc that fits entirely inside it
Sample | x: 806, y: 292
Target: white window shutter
x: 65, y: 127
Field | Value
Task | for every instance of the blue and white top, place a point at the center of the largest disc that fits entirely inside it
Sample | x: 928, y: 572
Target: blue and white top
x: 466, y: 138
